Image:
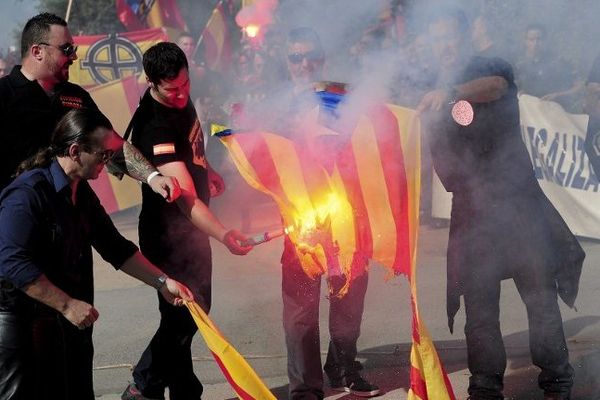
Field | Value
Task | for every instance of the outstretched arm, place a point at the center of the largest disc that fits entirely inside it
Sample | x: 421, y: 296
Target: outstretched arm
x: 197, y: 212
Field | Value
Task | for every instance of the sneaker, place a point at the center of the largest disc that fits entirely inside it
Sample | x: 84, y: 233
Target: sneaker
x: 133, y: 393
x: 556, y: 396
x: 357, y: 386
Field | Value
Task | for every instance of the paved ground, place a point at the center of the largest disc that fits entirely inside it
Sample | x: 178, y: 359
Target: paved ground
x: 247, y: 309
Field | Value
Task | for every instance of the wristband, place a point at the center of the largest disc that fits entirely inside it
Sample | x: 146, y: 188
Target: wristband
x: 161, y: 281
x: 152, y: 175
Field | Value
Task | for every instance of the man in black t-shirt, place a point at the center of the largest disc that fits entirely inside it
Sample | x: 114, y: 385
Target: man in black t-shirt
x: 175, y: 236
x: 502, y: 224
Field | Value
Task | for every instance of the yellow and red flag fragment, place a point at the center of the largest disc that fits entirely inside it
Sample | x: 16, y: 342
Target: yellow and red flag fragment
x: 118, y: 101
x: 140, y: 14
x: 375, y: 178
x: 106, y: 58
x: 240, y: 375
x: 215, y: 40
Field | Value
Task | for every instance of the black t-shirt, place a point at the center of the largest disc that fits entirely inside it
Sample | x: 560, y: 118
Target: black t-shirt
x: 166, y: 135
x: 29, y: 115
x: 489, y: 154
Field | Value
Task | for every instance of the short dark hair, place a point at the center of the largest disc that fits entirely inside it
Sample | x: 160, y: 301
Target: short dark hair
x: 36, y: 30
x: 449, y: 12
x: 536, y: 27
x: 305, y: 35
x: 163, y: 61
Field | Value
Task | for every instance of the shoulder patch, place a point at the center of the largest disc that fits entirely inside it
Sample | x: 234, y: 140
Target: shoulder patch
x: 163, y: 148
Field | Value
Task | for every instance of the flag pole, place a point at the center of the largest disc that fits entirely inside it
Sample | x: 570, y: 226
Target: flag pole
x: 68, y: 10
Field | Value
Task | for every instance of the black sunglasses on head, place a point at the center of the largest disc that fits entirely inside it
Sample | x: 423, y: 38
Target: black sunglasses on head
x: 68, y: 49
x: 296, y: 58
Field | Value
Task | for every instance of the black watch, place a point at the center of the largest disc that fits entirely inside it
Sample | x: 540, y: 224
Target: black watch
x: 161, y: 281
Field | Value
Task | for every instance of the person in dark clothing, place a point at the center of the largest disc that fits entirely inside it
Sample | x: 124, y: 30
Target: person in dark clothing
x: 175, y: 236
x: 592, y: 108
x: 301, y: 294
x: 50, y: 220
x: 502, y: 225
x: 35, y: 96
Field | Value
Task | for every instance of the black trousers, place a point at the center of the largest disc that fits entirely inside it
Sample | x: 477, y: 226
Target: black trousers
x: 167, y: 361
x: 301, y: 296
x: 502, y: 238
x: 44, y: 357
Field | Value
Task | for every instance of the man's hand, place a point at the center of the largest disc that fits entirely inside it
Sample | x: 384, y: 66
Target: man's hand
x: 176, y: 293
x: 215, y: 183
x: 80, y: 313
x: 433, y: 100
x: 232, y: 241
x: 166, y: 186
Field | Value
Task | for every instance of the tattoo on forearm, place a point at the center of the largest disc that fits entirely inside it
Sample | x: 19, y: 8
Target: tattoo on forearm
x: 135, y: 164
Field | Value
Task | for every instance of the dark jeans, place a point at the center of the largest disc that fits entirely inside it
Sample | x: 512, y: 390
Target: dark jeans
x: 486, y: 353
x: 301, y: 296
x: 44, y: 357
x: 167, y: 361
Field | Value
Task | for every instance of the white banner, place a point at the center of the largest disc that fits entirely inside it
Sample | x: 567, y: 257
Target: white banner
x: 555, y: 141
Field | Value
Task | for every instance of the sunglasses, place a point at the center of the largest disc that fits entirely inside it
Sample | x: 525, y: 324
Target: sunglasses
x: 105, y: 155
x: 296, y: 58
x: 67, y: 49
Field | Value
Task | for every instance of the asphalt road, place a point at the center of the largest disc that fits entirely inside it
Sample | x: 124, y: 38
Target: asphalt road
x: 247, y: 309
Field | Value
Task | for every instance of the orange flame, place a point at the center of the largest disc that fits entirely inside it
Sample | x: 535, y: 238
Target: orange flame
x: 252, y: 30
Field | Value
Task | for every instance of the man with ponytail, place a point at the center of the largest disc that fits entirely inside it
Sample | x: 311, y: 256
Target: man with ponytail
x: 50, y: 220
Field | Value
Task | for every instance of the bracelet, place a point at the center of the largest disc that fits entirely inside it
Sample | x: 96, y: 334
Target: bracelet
x: 152, y: 175
x: 161, y: 281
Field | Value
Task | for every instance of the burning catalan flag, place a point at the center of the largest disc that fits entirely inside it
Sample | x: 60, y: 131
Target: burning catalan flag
x: 240, y: 375
x: 106, y: 58
x: 360, y: 197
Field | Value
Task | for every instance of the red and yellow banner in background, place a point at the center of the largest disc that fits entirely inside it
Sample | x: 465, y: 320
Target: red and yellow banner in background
x: 118, y: 101
x: 141, y: 14
x: 215, y: 40
x: 366, y: 195
x: 106, y: 58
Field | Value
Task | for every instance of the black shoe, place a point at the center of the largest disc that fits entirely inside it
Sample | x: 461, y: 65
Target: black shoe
x: 133, y: 393
x: 556, y: 396
x: 357, y: 386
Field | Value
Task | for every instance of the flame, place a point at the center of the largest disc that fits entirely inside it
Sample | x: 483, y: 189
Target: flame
x: 312, y: 223
x: 252, y: 30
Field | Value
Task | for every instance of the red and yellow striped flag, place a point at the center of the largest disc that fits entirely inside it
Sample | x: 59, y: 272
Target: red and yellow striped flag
x: 106, y: 58
x: 215, y: 40
x: 369, y: 191
x: 240, y: 375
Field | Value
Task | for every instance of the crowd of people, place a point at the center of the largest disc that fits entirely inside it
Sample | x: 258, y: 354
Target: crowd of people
x: 56, y: 140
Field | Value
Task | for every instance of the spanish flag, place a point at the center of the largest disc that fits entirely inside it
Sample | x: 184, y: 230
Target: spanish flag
x: 215, y: 40
x: 118, y: 101
x: 240, y: 375
x: 106, y: 58
x: 358, y: 197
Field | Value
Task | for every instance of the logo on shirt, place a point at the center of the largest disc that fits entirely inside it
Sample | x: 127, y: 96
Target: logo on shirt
x: 163, y: 148
x: 196, y: 138
x: 71, y: 101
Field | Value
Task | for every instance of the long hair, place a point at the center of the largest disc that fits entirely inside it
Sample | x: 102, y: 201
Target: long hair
x: 76, y: 126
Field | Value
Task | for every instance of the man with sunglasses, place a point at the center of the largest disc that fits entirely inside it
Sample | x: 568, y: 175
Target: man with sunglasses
x: 35, y: 95
x: 301, y: 294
